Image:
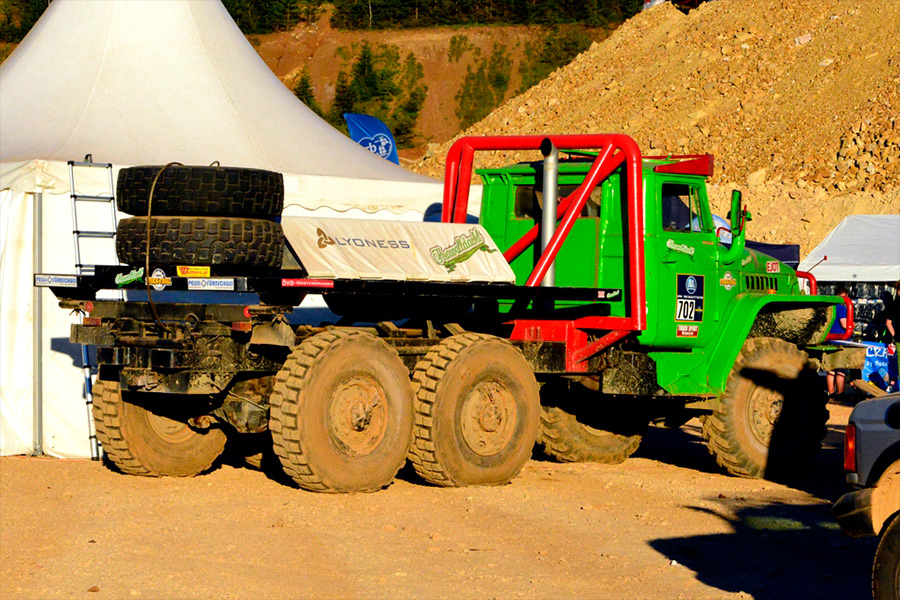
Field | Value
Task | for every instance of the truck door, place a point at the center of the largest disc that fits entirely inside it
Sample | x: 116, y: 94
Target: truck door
x: 686, y: 299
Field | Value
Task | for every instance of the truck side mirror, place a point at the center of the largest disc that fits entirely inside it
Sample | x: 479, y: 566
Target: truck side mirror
x: 738, y: 218
x: 736, y: 214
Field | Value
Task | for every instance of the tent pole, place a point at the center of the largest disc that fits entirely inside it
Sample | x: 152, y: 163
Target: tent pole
x: 38, y: 263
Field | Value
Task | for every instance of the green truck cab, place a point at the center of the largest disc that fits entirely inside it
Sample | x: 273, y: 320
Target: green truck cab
x: 712, y: 308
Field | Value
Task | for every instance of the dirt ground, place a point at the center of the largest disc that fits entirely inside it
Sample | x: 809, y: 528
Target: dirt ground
x: 663, y: 525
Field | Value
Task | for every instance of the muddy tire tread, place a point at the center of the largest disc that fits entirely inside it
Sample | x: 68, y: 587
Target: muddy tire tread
x: 284, y: 415
x: 200, y: 241
x: 719, y: 428
x: 201, y: 191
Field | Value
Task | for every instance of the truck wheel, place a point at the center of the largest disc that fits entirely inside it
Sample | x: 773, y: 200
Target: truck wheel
x: 198, y: 191
x: 886, y: 568
x: 578, y: 428
x: 341, y: 413
x: 771, y: 419
x: 200, y: 241
x: 140, y: 442
x: 477, y: 412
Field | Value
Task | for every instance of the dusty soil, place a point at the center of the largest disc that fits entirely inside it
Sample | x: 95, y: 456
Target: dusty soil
x: 797, y: 99
x: 663, y: 525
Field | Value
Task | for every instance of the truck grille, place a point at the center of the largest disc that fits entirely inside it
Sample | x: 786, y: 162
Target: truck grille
x: 760, y: 283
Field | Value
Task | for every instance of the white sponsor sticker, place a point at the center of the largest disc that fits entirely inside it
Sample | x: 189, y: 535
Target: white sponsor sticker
x: 56, y: 280
x: 211, y: 284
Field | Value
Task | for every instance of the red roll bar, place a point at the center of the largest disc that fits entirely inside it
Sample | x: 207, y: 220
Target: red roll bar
x: 614, y: 149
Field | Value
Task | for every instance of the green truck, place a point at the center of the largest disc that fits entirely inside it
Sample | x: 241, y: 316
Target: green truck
x: 621, y: 307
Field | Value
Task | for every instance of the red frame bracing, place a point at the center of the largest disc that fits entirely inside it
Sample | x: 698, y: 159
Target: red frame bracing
x: 613, y: 151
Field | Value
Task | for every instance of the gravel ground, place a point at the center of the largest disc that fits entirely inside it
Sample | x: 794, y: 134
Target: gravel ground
x: 663, y: 525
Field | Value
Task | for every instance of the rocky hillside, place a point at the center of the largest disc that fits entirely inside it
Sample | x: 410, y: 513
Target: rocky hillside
x: 798, y: 99
x: 445, y: 54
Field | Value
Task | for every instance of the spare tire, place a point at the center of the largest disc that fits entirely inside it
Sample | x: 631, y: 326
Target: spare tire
x: 186, y: 190
x: 200, y: 241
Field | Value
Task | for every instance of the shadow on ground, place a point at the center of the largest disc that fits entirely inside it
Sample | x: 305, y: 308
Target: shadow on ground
x: 778, y: 551
x: 684, y: 447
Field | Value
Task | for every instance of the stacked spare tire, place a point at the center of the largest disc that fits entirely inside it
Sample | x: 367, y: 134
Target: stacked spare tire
x: 210, y: 216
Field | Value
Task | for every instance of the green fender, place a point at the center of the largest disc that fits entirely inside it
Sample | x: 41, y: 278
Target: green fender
x: 737, y: 322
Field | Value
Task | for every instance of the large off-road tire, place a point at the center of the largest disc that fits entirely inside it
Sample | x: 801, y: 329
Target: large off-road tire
x: 771, y: 419
x: 200, y: 241
x: 477, y: 412
x: 578, y: 425
x: 341, y: 413
x: 886, y: 568
x: 201, y: 191
x: 140, y: 442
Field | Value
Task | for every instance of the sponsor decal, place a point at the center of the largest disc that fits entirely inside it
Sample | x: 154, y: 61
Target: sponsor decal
x: 158, y: 280
x: 682, y: 248
x: 308, y: 283
x: 379, y: 143
x: 687, y: 331
x: 462, y: 249
x: 689, y: 298
x: 324, y: 240
x: 608, y: 294
x: 123, y: 279
x: 193, y: 271
x: 56, y: 280
x: 773, y: 266
x: 211, y: 284
x: 728, y: 281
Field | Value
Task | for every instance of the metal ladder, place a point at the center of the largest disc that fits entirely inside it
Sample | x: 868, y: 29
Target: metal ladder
x: 81, y: 268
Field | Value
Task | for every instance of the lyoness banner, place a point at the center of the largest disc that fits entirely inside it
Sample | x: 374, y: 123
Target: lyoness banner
x: 396, y: 250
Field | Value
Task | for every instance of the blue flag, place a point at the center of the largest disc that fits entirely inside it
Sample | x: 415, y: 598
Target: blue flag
x: 372, y: 134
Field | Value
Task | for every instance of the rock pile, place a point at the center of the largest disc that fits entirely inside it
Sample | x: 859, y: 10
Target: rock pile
x: 798, y: 99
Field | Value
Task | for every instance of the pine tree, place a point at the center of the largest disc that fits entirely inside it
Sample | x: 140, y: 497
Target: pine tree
x: 303, y: 89
x: 344, y: 102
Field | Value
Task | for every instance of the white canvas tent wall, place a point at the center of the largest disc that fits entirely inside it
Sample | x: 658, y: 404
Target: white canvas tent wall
x: 863, y: 248
x: 141, y: 82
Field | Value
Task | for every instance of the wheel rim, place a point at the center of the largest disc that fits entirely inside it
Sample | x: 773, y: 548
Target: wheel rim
x: 488, y: 418
x: 169, y: 430
x: 765, y: 409
x: 357, y: 415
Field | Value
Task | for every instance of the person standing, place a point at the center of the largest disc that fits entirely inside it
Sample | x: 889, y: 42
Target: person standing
x: 892, y: 326
x: 835, y: 379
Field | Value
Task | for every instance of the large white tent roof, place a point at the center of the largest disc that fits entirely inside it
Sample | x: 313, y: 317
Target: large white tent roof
x: 149, y: 82
x: 863, y: 248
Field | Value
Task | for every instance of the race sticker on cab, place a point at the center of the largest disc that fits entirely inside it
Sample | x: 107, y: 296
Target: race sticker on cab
x: 689, y: 299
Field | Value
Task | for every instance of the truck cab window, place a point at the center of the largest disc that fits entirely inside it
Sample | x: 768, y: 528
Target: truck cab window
x: 530, y: 200
x: 680, y: 208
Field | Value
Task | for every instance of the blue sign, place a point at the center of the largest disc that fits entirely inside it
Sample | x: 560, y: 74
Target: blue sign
x: 880, y: 367
x: 373, y: 135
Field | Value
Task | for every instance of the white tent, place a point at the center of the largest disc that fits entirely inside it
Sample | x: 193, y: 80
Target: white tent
x: 863, y: 248
x: 140, y: 82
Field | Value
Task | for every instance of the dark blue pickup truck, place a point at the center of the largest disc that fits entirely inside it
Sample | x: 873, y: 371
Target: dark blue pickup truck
x: 872, y: 464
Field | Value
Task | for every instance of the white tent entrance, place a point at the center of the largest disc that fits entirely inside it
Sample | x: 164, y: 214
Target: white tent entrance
x: 142, y: 82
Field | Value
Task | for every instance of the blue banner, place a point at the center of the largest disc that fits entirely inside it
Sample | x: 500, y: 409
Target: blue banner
x: 881, y: 365
x: 372, y: 134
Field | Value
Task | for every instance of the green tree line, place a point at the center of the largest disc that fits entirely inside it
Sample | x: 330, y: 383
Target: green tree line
x: 385, y: 14
x: 264, y: 16
x: 376, y: 83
